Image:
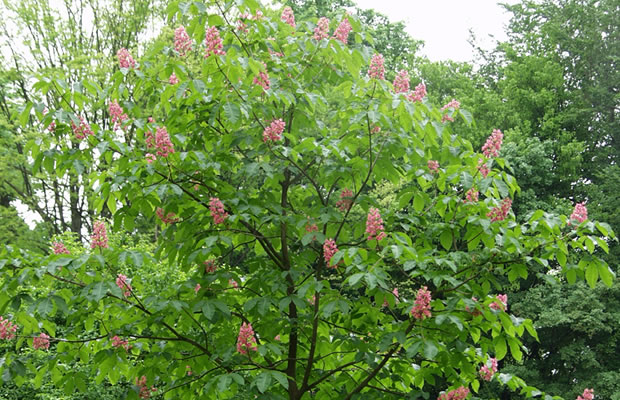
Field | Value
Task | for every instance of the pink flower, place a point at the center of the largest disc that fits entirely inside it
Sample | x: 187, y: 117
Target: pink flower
x: 121, y: 282
x: 433, y: 165
x: 217, y: 210
x: 483, y: 168
x: 59, y: 248
x: 99, y: 238
x: 145, y: 392
x: 182, y: 41
x: 588, y: 394
x: 125, y: 60
x: 493, y: 144
x: 580, y: 213
x: 452, y: 104
x: 501, y: 304
x: 233, y: 283
x: 460, y: 393
x: 471, y: 196
x: 487, y: 372
x: 342, y: 32
x: 262, y: 79
x: 246, y: 340
x: 189, y: 370
x: 41, y: 342
x: 346, y: 200
x: 374, y: 225
x: 311, y: 227
x: 422, y: 305
x: 7, y: 329
x: 150, y: 157
x: 447, y: 118
x: 322, y: 29
x: 210, y: 266
x: 173, y: 80
x: 213, y: 42
x: 162, y: 142
x: 117, y: 114
x: 312, y: 300
x: 401, y: 82
x: 375, y: 129
x: 82, y: 130
x: 376, y: 70
x: 169, y: 218
x: 418, y: 94
x: 118, y: 342
x: 288, y: 17
x: 329, y: 249
x: 277, y: 338
x: 500, y: 213
x: 197, y: 288
x: 273, y: 132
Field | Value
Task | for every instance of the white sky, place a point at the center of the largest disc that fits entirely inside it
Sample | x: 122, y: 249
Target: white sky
x: 444, y: 24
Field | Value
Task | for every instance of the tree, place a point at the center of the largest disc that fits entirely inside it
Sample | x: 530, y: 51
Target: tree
x: 264, y: 192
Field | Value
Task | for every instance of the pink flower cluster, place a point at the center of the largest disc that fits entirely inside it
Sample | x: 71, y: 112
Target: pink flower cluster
x: 471, y: 196
x: 500, y: 213
x: 311, y: 227
x: 288, y: 17
x: 322, y: 29
x: 374, y: 225
x: 329, y: 249
x: 99, y: 238
x: 501, y: 304
x: 401, y: 82
x: 376, y: 70
x: 82, y: 130
x: 246, y: 340
x: 262, y: 79
x: 117, y: 114
x: 487, y: 372
x: 217, y: 210
x: 418, y: 93
x: 346, y: 200
x: 213, y: 42
x: 125, y: 60
x: 342, y: 32
x: 41, y: 342
x: 580, y: 213
x: 460, y: 393
x: 422, y: 305
x: 493, y: 144
x: 182, y: 41
x: 169, y: 218
x: 59, y: 248
x: 145, y: 392
x: 7, y: 329
x: 118, y: 342
x: 173, y: 80
x: 588, y: 394
x: 452, y: 104
x: 210, y: 266
x: 197, y: 288
x: 483, y: 168
x: 162, y: 142
x: 121, y: 282
x: 273, y: 132
x: 233, y: 283
x: 433, y: 166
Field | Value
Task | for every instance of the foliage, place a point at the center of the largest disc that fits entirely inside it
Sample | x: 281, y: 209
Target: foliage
x: 269, y: 207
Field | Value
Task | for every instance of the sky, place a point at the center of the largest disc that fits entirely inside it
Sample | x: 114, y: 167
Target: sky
x: 444, y: 24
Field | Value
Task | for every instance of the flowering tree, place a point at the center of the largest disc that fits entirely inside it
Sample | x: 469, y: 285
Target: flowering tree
x: 260, y: 161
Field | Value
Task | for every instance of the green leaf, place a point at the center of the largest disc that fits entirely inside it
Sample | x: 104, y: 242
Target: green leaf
x: 281, y: 378
x: 45, y: 307
x: 592, y: 274
x: 232, y: 112
x: 430, y: 350
x: 515, y: 348
x: 606, y: 274
x: 499, y: 343
x: 99, y: 291
x: 418, y: 202
x: 446, y: 239
x: 263, y: 381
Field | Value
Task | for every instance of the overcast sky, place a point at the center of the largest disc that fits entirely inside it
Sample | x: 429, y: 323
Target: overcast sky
x: 444, y: 24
